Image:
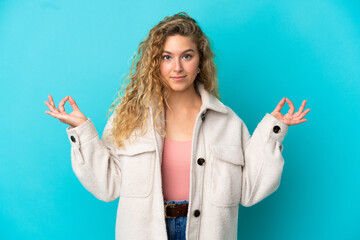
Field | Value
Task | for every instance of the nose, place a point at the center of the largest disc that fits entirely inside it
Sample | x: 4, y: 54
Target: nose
x: 178, y: 66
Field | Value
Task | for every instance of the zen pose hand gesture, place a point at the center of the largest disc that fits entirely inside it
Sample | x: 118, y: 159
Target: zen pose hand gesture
x: 290, y: 118
x: 74, y: 119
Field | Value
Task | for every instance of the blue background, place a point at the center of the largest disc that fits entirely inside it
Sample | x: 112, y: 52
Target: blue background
x: 265, y: 50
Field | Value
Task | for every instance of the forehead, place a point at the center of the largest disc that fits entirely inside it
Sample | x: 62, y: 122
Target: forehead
x: 178, y: 43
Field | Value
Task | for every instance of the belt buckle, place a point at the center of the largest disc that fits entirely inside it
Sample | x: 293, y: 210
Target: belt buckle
x: 169, y: 204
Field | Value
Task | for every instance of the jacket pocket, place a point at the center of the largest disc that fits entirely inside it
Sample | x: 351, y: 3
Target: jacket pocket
x: 226, y: 175
x: 137, y: 164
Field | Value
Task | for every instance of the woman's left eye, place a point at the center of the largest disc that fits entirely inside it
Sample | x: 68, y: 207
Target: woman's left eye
x: 187, y: 56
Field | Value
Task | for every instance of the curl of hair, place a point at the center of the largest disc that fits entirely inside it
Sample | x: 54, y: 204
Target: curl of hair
x: 144, y: 84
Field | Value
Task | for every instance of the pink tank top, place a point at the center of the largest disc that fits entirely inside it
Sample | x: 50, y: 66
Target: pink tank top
x: 175, y: 170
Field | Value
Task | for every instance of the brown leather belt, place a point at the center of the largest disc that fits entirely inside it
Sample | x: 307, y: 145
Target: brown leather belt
x: 175, y: 210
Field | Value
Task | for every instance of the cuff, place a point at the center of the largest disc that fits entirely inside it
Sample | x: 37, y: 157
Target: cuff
x: 82, y: 133
x: 277, y: 128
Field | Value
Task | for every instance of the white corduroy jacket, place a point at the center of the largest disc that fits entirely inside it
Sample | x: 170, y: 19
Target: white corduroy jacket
x: 238, y: 169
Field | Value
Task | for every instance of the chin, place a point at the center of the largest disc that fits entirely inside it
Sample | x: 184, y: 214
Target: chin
x: 180, y: 87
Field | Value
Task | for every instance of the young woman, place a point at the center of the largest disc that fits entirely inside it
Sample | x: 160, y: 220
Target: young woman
x: 178, y: 159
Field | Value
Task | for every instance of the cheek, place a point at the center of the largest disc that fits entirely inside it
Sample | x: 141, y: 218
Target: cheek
x: 164, y: 69
x: 193, y: 67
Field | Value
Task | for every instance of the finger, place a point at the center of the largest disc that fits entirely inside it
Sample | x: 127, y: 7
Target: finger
x: 53, y: 109
x: 73, y: 104
x: 301, y: 121
x: 51, y: 100
x: 55, y: 115
x: 62, y: 103
x: 303, y: 114
x: 300, y: 109
x: 280, y: 105
x: 295, y: 122
x: 291, y: 105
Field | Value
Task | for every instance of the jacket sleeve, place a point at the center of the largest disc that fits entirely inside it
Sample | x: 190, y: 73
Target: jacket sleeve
x: 94, y: 161
x: 263, y: 159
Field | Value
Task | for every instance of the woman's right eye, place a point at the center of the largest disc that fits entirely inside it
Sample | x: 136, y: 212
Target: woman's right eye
x: 166, y: 57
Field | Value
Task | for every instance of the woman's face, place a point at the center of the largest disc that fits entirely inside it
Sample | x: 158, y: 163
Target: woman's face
x: 179, y: 62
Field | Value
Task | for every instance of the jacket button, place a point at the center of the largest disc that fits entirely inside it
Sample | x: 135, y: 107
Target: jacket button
x: 196, y: 213
x: 201, y: 161
x: 276, y: 129
x: 73, y: 139
x: 203, y: 116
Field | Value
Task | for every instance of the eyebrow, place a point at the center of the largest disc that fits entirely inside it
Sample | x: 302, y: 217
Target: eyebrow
x: 182, y: 52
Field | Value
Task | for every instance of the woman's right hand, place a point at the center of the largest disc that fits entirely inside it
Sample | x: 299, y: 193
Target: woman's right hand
x: 74, y: 119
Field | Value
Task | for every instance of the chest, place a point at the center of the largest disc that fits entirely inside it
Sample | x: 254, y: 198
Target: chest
x: 180, y: 127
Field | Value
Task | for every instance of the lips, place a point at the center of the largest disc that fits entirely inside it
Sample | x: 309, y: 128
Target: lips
x: 178, y: 78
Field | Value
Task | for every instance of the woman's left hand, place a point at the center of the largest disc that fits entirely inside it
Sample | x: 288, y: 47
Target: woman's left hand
x: 290, y: 118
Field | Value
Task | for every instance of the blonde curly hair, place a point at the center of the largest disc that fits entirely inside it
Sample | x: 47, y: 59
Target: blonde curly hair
x: 144, y: 83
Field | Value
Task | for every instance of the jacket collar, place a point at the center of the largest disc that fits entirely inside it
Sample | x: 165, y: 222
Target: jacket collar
x: 209, y: 101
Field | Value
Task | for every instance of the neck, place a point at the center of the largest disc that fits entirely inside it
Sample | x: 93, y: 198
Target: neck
x: 184, y: 100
